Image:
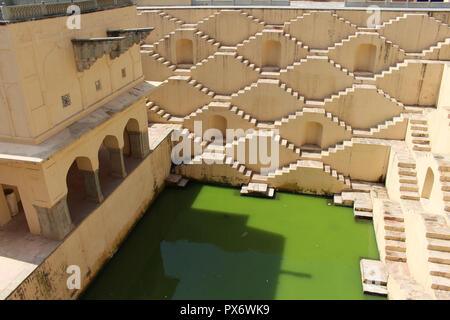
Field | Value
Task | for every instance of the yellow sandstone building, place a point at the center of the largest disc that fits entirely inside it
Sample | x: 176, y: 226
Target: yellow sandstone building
x: 357, y: 102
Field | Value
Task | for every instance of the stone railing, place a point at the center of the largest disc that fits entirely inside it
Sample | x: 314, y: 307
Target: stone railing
x: 40, y: 10
x: 240, y: 2
x: 397, y: 4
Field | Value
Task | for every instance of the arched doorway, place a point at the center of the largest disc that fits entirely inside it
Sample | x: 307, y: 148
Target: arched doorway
x: 184, y: 52
x: 83, y: 192
x: 428, y: 184
x: 365, y: 58
x: 312, y: 133
x: 132, y: 145
x: 271, y: 54
x: 111, y: 164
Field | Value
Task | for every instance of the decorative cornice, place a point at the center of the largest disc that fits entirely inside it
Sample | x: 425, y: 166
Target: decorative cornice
x: 137, y: 35
x: 88, y: 50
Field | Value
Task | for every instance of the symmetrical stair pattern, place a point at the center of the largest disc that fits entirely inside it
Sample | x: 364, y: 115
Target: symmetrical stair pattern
x: 321, y: 76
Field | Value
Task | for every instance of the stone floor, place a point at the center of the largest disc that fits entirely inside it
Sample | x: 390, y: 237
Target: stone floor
x: 20, y: 253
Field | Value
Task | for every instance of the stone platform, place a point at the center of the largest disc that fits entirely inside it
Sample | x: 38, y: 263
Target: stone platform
x: 373, y: 277
x: 257, y: 190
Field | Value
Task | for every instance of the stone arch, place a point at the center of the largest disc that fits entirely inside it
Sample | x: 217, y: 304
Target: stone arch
x: 82, y: 188
x: 428, y: 184
x: 271, y: 54
x: 184, y: 52
x: 133, y: 125
x: 312, y: 133
x: 111, y: 164
x: 135, y: 143
x: 365, y: 58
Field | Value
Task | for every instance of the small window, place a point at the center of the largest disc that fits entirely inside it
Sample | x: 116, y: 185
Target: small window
x: 66, y: 100
x: 124, y: 72
x: 98, y: 85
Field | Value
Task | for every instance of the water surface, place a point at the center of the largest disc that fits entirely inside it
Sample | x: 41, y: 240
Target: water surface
x: 207, y: 242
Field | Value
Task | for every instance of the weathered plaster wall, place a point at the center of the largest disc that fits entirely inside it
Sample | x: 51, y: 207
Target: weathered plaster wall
x: 44, y: 183
x: 38, y: 68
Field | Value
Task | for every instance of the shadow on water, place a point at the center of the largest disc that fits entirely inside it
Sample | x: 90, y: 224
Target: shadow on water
x: 205, y: 242
x: 148, y: 263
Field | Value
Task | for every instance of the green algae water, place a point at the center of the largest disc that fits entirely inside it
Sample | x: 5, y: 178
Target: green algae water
x: 208, y: 242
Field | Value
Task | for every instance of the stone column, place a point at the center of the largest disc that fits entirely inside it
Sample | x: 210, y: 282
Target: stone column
x: 139, y: 145
x: 55, y: 222
x: 5, y: 214
x: 117, y: 163
x: 92, y: 186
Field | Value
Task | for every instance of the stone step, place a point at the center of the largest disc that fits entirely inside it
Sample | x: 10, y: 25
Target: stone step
x: 394, y: 225
x: 445, y: 176
x: 438, y: 244
x: 375, y: 289
x: 437, y: 232
x: 418, y: 133
x: 362, y: 214
x: 419, y: 127
x: 439, y: 269
x: 409, y: 187
x: 445, y: 186
x: 446, y: 195
x: 418, y: 120
x: 308, y: 155
x: 395, y: 256
x: 394, y: 245
x: 408, y: 179
x: 439, y: 257
x: 409, y: 195
x: 394, y: 235
x: 227, y: 49
x: 417, y: 147
x: 403, y: 164
x: 173, y: 179
x: 440, y: 283
x: 407, y: 171
x: 392, y: 215
x: 421, y: 140
x: 373, y: 271
x: 337, y: 200
x: 183, y: 182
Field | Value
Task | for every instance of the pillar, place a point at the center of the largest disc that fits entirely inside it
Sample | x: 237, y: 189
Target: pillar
x: 117, y: 162
x: 55, y: 222
x: 5, y: 215
x: 139, y: 144
x: 92, y: 186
